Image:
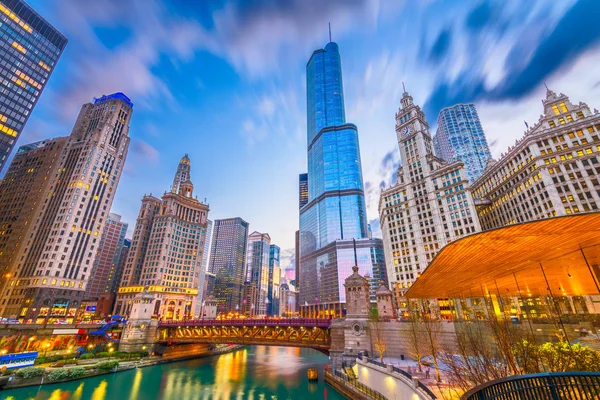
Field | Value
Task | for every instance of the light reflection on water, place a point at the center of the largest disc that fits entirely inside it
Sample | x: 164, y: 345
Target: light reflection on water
x: 253, y: 373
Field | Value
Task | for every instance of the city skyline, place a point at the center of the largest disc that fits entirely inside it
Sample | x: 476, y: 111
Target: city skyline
x: 373, y: 87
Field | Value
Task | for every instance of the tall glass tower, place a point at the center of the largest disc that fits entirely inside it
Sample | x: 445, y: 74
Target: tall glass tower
x: 459, y: 135
x: 333, y: 224
x: 29, y: 49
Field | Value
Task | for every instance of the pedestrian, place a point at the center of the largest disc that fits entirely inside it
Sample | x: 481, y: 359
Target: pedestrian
x: 427, y: 372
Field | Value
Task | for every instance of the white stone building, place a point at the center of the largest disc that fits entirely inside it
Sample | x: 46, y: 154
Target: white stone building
x: 553, y: 170
x: 428, y: 207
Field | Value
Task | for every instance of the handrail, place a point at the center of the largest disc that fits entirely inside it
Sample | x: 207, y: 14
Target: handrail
x: 405, y: 374
x: 361, y: 387
x: 548, y: 385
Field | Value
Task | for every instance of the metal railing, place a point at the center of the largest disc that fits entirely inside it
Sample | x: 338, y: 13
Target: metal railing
x: 545, y: 386
x: 400, y: 371
x: 297, y: 322
x: 345, y: 380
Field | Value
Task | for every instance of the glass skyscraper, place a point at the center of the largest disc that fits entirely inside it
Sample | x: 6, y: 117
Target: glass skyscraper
x: 302, y: 189
x: 333, y: 224
x: 29, y: 50
x: 459, y: 135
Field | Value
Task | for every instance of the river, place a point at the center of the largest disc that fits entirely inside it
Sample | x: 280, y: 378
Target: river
x: 255, y: 373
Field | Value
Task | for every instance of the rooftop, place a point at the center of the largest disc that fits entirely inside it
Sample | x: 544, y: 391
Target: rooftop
x: 557, y: 256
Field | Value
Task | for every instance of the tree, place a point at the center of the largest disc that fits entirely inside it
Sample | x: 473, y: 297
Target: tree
x: 416, y: 345
x: 432, y: 327
x: 380, y: 343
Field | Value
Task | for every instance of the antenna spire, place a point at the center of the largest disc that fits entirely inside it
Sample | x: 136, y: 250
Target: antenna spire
x: 403, y: 88
x: 330, y: 32
x: 546, y: 86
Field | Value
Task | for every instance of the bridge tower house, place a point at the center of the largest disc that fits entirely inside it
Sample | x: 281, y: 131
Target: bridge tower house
x: 140, y: 331
x: 350, y: 336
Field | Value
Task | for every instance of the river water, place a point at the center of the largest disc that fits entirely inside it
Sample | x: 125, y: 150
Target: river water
x: 255, y: 373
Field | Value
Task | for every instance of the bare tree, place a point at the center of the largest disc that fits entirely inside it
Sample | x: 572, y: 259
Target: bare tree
x: 432, y: 327
x: 380, y: 343
x: 416, y: 346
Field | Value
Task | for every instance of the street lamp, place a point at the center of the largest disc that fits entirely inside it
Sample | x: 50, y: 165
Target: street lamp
x: 110, y: 352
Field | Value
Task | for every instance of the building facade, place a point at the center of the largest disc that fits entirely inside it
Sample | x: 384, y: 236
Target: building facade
x: 460, y: 136
x: 29, y: 49
x: 174, y: 245
x: 202, y: 283
x: 553, y: 170
x: 428, y: 207
x: 103, y: 284
x: 335, y: 214
x: 257, y: 279
x: 228, y: 262
x: 274, y: 280
x: 47, y: 274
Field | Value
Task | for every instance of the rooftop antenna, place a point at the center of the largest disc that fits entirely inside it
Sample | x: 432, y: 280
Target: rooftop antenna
x: 546, y: 86
x: 403, y: 88
x: 355, y: 258
x: 330, y: 32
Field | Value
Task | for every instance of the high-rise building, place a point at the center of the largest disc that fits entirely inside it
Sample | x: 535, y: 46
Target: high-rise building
x: 103, y: 284
x: 553, y: 170
x: 428, y: 207
x: 29, y: 49
x: 274, y: 280
x: 257, y: 278
x: 228, y: 262
x: 303, y: 190
x: 131, y: 275
x: 69, y: 185
x: 459, y: 136
x: 174, y: 243
x: 333, y: 224
x: 288, y: 297
x: 202, y: 283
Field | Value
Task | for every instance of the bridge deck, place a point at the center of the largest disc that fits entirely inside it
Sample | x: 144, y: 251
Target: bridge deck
x: 248, y: 322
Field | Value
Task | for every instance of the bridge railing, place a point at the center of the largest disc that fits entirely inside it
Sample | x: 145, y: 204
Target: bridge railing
x: 545, y: 386
x: 295, y: 322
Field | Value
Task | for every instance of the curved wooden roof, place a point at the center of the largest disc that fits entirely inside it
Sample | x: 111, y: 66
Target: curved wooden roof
x: 513, y: 260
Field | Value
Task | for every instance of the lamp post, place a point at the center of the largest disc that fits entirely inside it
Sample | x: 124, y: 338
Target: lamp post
x: 110, y: 352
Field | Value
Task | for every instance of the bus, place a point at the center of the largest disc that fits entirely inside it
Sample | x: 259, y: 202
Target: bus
x: 18, y: 360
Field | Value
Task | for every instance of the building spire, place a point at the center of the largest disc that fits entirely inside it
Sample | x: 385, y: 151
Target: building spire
x: 330, y: 32
x: 403, y: 87
x: 183, y: 173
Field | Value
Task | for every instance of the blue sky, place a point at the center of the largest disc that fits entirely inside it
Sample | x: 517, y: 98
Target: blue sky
x: 225, y: 82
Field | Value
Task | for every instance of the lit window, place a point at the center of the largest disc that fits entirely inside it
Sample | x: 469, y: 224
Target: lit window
x: 555, y: 109
x: 561, y: 120
x: 563, y: 108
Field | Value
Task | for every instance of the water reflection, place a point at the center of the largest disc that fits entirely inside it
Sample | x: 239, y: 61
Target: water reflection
x: 253, y: 373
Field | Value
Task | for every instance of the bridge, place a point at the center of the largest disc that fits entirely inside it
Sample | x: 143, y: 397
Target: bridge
x: 312, y: 333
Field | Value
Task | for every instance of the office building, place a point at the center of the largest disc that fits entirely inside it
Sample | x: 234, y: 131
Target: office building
x: 333, y: 224
x: 553, y: 170
x: 288, y: 297
x: 274, y: 280
x: 228, y: 262
x: 69, y: 185
x: 257, y: 267
x: 428, y: 207
x: 202, y: 283
x: 29, y: 49
x: 174, y: 243
x: 103, y: 284
x: 459, y: 136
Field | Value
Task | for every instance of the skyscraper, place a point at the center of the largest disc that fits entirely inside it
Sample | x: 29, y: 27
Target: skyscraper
x: 257, y: 267
x: 103, y: 282
x: 29, y: 49
x: 302, y: 190
x: 333, y: 224
x: 174, y: 245
x: 228, y: 262
x: 428, y: 207
x: 274, y: 280
x: 69, y: 184
x: 459, y: 135
x: 202, y: 284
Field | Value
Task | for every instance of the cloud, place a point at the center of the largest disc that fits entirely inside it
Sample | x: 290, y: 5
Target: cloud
x: 94, y: 69
x: 258, y: 36
x: 441, y: 46
x: 144, y: 151
x: 548, y: 43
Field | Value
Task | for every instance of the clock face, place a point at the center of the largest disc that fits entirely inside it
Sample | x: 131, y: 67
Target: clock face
x: 406, y: 131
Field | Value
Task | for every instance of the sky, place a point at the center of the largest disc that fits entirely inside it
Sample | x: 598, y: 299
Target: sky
x: 224, y: 81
